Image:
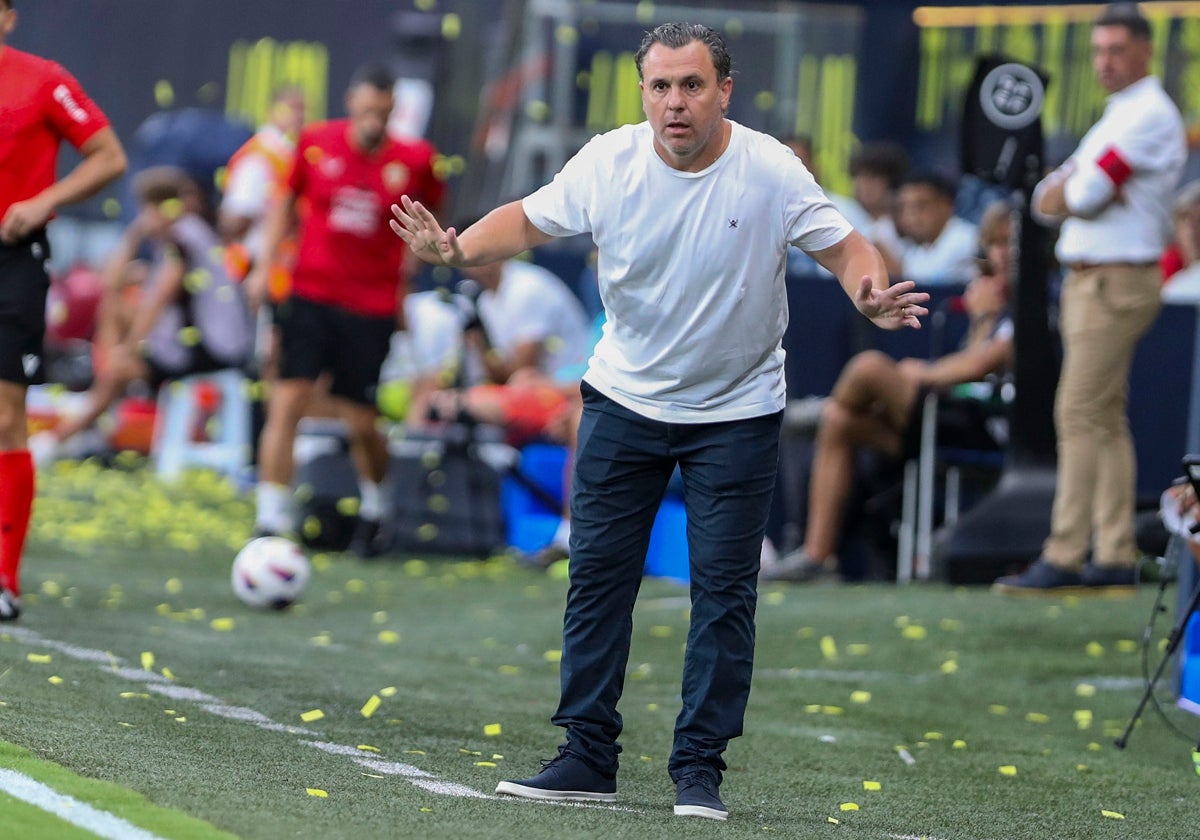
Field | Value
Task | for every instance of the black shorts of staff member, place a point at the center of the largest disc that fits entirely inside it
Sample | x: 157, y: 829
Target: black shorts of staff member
x: 24, y: 283
x: 317, y: 338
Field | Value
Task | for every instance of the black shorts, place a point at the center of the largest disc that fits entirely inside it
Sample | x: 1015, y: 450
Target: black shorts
x: 201, y: 361
x: 962, y: 423
x: 316, y: 338
x: 24, y: 283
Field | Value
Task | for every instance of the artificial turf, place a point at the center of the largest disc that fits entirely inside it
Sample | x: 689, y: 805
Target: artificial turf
x: 877, y: 710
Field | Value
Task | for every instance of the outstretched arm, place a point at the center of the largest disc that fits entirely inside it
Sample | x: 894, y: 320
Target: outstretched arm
x: 502, y: 233
x: 861, y: 270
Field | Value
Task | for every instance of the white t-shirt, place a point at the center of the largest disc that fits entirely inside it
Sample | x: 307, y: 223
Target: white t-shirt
x: 948, y: 259
x: 690, y: 268
x: 1184, y: 286
x: 431, y: 341
x: 532, y: 304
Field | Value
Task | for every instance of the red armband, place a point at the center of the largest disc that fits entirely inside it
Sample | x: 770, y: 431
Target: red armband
x: 1114, y: 166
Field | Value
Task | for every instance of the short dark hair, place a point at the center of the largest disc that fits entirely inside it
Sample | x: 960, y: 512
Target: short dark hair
x: 882, y: 159
x: 377, y: 76
x: 677, y: 35
x: 157, y: 184
x: 1127, y: 15
x: 936, y: 181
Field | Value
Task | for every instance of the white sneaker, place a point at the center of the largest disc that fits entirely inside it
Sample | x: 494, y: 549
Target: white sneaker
x: 10, y: 605
x: 44, y: 448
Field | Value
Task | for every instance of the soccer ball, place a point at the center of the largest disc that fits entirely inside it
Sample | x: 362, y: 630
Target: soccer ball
x: 270, y: 572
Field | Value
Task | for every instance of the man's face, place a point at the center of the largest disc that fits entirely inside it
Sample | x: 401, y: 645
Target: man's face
x: 288, y: 113
x: 873, y: 192
x: 368, y: 109
x: 1118, y: 58
x: 684, y: 103
x: 922, y: 212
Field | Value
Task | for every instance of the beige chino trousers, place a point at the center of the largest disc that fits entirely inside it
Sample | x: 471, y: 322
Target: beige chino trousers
x: 1104, y: 311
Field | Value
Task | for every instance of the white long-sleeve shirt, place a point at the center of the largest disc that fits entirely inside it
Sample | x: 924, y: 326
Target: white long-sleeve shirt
x: 1121, y: 179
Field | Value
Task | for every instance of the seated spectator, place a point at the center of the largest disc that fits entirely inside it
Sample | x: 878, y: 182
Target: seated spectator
x: 186, y: 315
x: 877, y: 402
x: 1184, y: 285
x: 877, y: 170
x: 798, y: 262
x: 937, y: 247
x: 524, y: 325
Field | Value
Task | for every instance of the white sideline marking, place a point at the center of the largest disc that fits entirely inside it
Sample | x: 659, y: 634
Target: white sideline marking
x: 215, y: 706
x: 68, y: 808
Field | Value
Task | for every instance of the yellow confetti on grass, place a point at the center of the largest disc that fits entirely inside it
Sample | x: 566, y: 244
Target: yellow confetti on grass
x: 870, y: 785
x: 174, y: 586
x: 38, y: 658
x: 1094, y: 747
x: 997, y: 709
x: 169, y: 674
x: 858, y: 649
x: 860, y: 697
x: 1127, y: 646
x: 1008, y: 770
x: 1094, y: 649
x: 829, y: 647
x: 388, y: 691
x: 222, y: 625
x: 1037, y: 717
x: 368, y: 748
x: 849, y: 806
x: 959, y: 744
x: 1112, y: 815
x: 147, y: 661
x: 370, y: 706
x: 141, y: 695
x: 1085, y: 690
x: 552, y: 656
x: 310, y: 716
x: 914, y: 632
x: 55, y: 680
x: 950, y: 666
x: 317, y: 792
x: 833, y: 820
x: 388, y: 637
x: 492, y: 730
x: 485, y: 764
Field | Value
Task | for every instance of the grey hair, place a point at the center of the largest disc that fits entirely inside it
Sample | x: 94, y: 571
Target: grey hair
x: 678, y: 35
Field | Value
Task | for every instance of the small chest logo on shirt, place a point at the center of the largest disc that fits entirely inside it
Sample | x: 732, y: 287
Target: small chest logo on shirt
x: 332, y: 167
x: 733, y: 223
x: 30, y: 363
x: 395, y: 176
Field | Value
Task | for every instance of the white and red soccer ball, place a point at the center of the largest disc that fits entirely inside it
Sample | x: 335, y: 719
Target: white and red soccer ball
x: 270, y: 573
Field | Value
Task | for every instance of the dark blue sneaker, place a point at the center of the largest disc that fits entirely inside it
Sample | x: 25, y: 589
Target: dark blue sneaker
x: 1041, y: 578
x: 566, y: 776
x: 1111, y: 579
x: 696, y: 795
x: 367, y: 541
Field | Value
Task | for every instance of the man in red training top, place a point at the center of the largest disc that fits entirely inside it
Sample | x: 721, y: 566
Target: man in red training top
x: 345, y: 288
x: 41, y: 105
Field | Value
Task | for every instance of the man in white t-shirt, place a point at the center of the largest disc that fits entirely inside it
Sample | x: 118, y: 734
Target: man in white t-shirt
x: 691, y: 215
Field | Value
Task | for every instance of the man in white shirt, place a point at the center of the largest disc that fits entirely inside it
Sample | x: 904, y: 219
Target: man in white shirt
x: 937, y: 247
x: 691, y: 215
x: 1113, y: 196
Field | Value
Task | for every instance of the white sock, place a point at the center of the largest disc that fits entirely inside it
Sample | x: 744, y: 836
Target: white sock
x: 273, y: 507
x: 562, y: 537
x: 371, y: 504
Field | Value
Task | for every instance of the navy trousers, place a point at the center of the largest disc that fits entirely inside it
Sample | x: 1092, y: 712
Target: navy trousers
x: 623, y: 462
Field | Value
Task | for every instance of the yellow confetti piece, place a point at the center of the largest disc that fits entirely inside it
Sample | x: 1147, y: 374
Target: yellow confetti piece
x: 1037, y: 717
x: 321, y: 640
x: 806, y: 632
x: 38, y: 658
x: 370, y: 706
x: 373, y: 775
x: 492, y: 730
x: 1082, y: 768
x: 813, y: 708
x: 1094, y: 649
x: 1085, y: 690
x: 933, y: 736
x: 832, y: 710
x: 317, y: 792
x: 497, y: 757
x: 52, y: 588
x: 774, y: 599
x: 426, y: 810
x: 310, y: 716
x: 652, y: 707
x: 869, y: 785
x: 355, y: 586
x: 950, y: 624
x: 123, y: 723
x: 661, y: 631
x: 997, y: 709
x: 959, y: 744
x: 466, y: 751
x: 914, y: 632
x: 949, y: 667
x: 858, y: 649
x: 901, y: 621
x: 1127, y: 646
x: 368, y: 748
x: 552, y: 656
x: 414, y: 752
x: 222, y: 625
x: 849, y: 806
x: 1008, y: 770
x: 510, y: 670
x: 181, y: 719
x: 833, y: 820
x: 389, y: 637
x: 828, y: 647
x: 388, y: 691
x: 55, y: 680
x: 485, y: 764
x: 379, y: 617
x: 127, y: 695
x: 1094, y: 747
x: 169, y: 674
x: 860, y: 697
x: 1112, y: 815
x: 147, y: 661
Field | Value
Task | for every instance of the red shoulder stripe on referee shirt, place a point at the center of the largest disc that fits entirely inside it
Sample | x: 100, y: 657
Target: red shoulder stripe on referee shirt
x: 1114, y: 166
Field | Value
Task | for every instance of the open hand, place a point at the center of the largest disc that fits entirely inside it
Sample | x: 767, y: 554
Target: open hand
x: 424, y: 236
x: 894, y: 307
